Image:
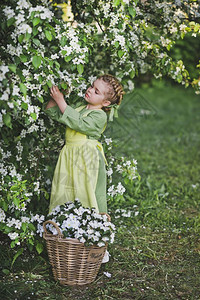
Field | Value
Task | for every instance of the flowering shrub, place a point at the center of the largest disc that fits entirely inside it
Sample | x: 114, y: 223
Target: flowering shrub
x: 81, y: 223
x: 19, y: 223
x: 136, y: 36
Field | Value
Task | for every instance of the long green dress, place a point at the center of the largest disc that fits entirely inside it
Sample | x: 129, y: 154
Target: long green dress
x: 80, y: 171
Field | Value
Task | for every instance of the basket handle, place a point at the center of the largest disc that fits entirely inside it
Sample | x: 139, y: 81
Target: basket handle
x: 107, y: 215
x: 54, y: 224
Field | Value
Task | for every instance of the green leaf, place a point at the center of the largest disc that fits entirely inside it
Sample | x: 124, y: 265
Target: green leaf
x: 36, y: 21
x: 27, y: 36
x: 57, y: 64
x: 45, y: 87
x: 116, y: 2
x: 49, y: 83
x: 7, y: 120
x: 35, y: 31
x: 196, y: 28
x: 40, y: 79
x: 64, y: 85
x: 41, y: 99
x: 80, y: 68
x: 19, y: 73
x: 23, y: 58
x: 168, y: 47
x: 30, y: 241
x: 24, y: 105
x: 63, y: 52
x: 12, y: 244
x: 68, y: 58
x: 19, y: 252
x: 46, y: 195
x: 63, y: 41
x: 182, y: 35
x: 179, y: 78
x: 12, y: 68
x: 36, y: 61
x: 6, y: 271
x: 16, y: 201
x: 117, y: 44
x: 10, y: 21
x: 36, y: 42
x: 14, y: 188
x: 33, y: 14
x: 24, y: 226
x: 5, y: 206
x: 120, y: 53
x: 39, y: 247
x: 20, y: 38
x: 31, y: 226
x: 34, y: 116
x: 23, y: 88
x: 50, y: 63
x: 132, y: 74
x: 48, y: 35
x: 132, y: 11
x: 8, y: 230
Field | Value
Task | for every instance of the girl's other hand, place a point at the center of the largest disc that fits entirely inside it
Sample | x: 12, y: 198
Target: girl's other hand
x: 56, y: 94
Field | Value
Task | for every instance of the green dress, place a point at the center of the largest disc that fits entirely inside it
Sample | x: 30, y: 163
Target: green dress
x: 80, y: 171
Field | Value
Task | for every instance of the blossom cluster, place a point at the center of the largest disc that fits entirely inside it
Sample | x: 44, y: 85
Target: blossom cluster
x: 125, y: 167
x: 135, y: 41
x: 81, y: 223
x: 16, y: 219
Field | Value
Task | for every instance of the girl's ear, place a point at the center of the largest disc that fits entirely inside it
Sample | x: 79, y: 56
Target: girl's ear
x: 106, y: 103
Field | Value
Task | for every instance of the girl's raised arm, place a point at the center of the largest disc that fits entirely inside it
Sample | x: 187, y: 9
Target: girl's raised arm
x: 58, y: 98
x: 51, y: 103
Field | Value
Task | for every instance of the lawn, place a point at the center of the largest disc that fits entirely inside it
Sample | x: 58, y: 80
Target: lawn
x: 156, y: 254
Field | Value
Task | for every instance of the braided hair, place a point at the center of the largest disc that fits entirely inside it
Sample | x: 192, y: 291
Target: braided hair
x: 115, y: 93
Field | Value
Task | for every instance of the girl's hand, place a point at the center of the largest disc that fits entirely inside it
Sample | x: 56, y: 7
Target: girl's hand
x: 56, y: 94
x: 58, y: 97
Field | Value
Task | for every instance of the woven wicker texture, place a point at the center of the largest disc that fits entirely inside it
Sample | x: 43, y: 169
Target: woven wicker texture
x: 72, y: 262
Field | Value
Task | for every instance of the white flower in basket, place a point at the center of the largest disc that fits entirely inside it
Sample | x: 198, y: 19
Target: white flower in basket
x: 83, y: 224
x: 77, y: 243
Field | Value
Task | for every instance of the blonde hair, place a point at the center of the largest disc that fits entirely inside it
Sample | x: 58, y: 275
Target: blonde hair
x: 116, y: 92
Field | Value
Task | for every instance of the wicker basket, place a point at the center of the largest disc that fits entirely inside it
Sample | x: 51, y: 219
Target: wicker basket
x: 72, y: 262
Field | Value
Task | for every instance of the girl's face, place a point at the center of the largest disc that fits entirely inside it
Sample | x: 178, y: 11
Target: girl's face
x: 97, y: 93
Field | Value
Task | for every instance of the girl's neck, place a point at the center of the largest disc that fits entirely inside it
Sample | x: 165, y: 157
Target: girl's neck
x: 92, y: 107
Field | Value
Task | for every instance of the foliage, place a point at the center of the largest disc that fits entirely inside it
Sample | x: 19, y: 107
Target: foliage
x: 16, y: 220
x: 187, y: 50
x: 135, y: 37
x: 81, y: 223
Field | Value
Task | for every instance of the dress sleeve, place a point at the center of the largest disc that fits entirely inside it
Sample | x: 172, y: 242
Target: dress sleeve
x: 91, y: 125
x: 53, y: 112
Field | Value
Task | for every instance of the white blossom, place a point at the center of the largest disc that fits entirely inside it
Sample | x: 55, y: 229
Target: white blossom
x: 13, y: 235
x: 8, y: 12
x: 2, y: 215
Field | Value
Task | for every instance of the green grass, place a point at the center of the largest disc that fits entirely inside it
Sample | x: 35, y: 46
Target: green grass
x: 156, y: 254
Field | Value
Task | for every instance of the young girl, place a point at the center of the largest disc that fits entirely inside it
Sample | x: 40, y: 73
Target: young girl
x: 80, y: 171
